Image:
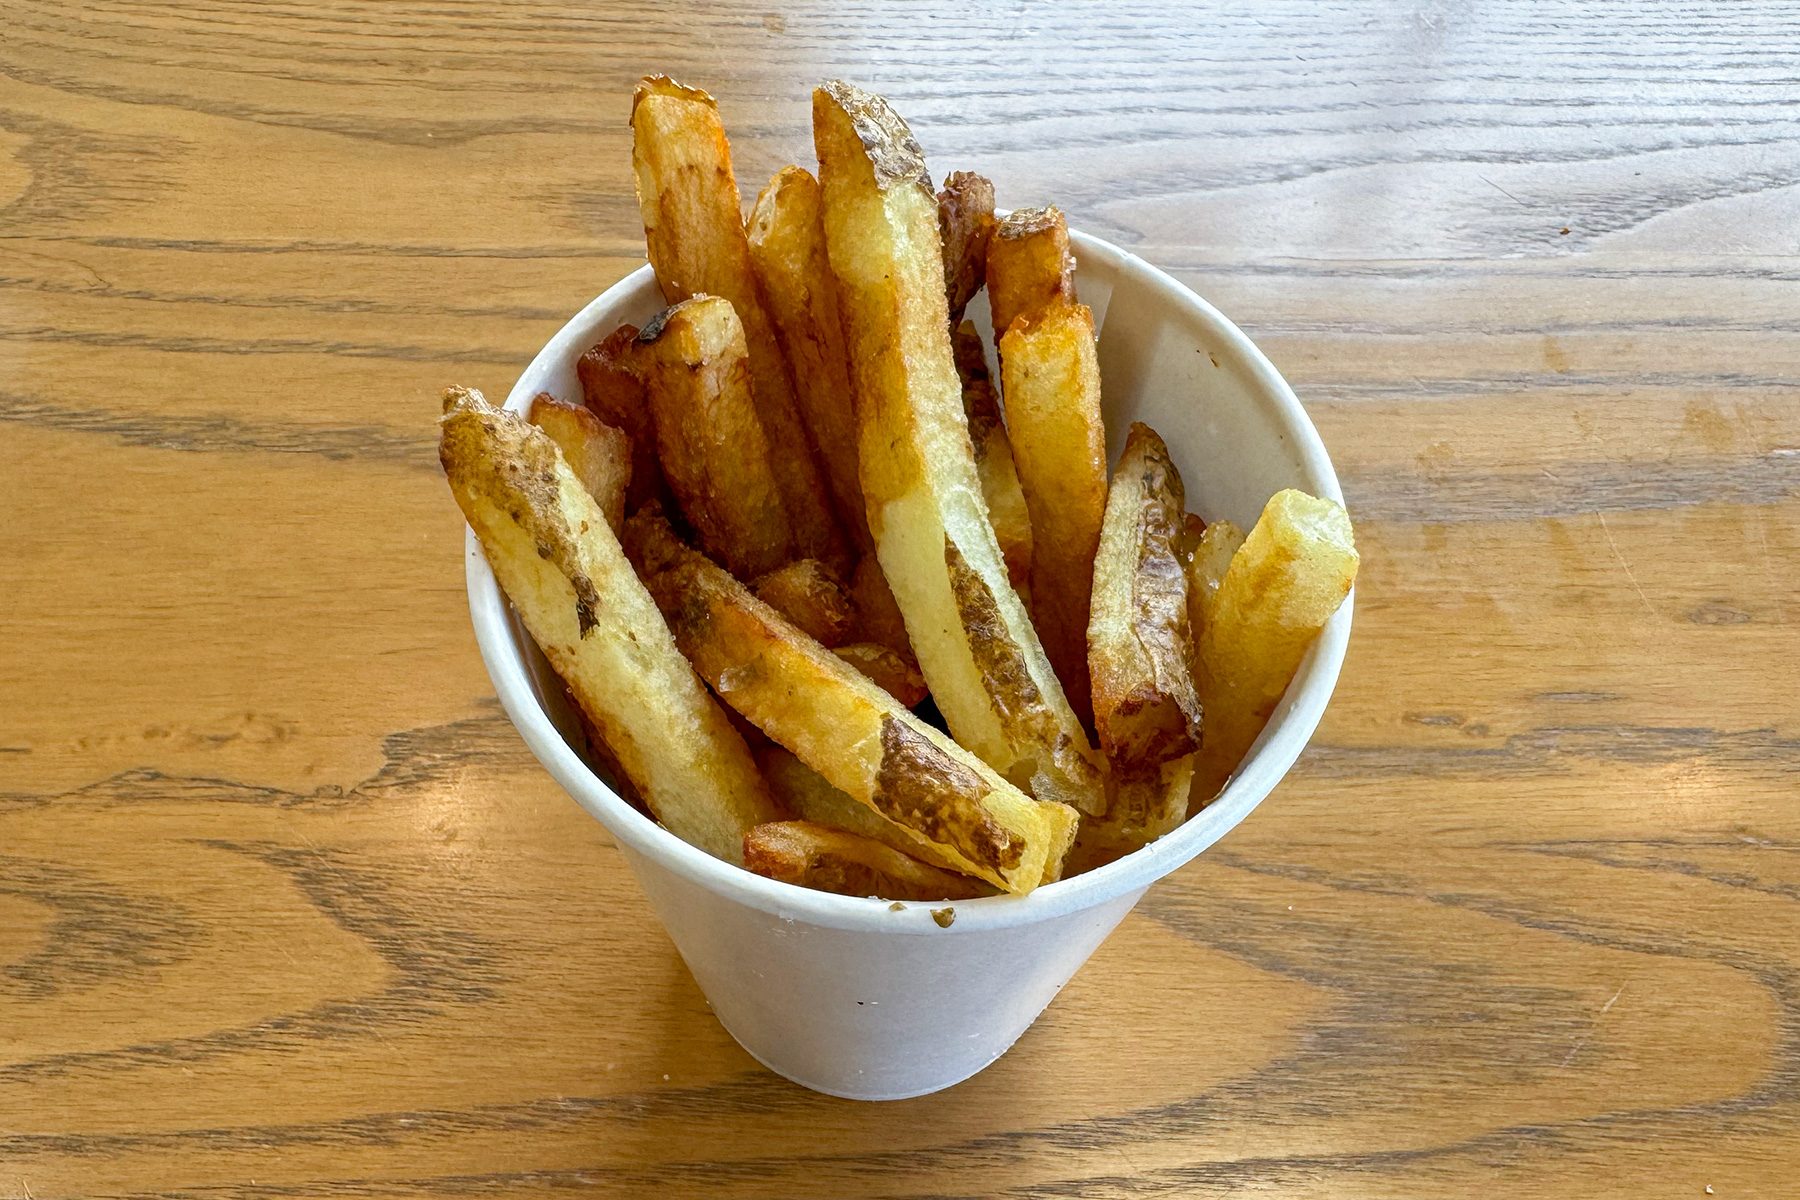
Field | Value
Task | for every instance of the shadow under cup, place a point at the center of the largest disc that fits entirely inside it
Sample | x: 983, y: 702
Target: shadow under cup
x: 859, y: 998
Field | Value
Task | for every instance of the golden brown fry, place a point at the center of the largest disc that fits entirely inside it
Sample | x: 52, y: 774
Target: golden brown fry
x: 994, y: 458
x: 1050, y: 377
x: 1028, y: 266
x: 599, y: 455
x: 808, y: 595
x: 1293, y: 570
x: 878, y: 616
x: 615, y: 394
x: 965, y: 222
x: 897, y: 677
x: 694, y: 228
x: 856, y: 735
x: 563, y: 570
x: 715, y: 455
x: 1140, y: 651
x: 974, y: 641
x: 787, y: 248
x: 831, y: 860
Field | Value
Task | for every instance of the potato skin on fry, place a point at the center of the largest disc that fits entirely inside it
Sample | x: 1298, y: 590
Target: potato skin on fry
x: 1140, y: 653
x: 564, y: 572
x: 994, y: 458
x: 1050, y: 377
x: 832, y: 860
x: 808, y: 595
x: 1140, y: 639
x: 787, y: 249
x: 1029, y: 266
x: 715, y: 454
x: 974, y: 641
x: 965, y: 221
x: 856, y: 735
x: 1293, y: 570
x: 694, y: 230
x: 599, y: 455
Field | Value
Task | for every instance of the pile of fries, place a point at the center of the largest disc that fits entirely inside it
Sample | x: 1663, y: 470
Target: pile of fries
x: 834, y: 606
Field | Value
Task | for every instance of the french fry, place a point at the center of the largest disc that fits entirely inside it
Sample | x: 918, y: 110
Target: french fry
x: 1293, y: 570
x: 975, y: 643
x: 1050, y: 377
x: 1206, y: 567
x: 694, y: 229
x: 1028, y: 266
x: 563, y: 570
x: 856, y: 735
x: 831, y: 860
x: 614, y: 393
x: 878, y: 616
x: 715, y: 454
x: 599, y: 455
x: 896, y: 676
x: 1140, y: 652
x: 807, y: 594
x: 787, y: 250
x: 994, y: 458
x: 965, y: 222
x: 805, y: 793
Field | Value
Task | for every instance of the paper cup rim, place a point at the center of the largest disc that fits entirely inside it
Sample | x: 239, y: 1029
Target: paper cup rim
x: 1275, y: 751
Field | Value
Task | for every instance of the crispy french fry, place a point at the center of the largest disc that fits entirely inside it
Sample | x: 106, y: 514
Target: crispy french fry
x: 856, y: 735
x: 715, y: 454
x: 805, y: 793
x: 965, y: 221
x: 1140, y: 651
x: 1028, y: 266
x: 787, y: 249
x: 831, y: 860
x: 1293, y: 570
x: 1206, y: 568
x: 1139, y: 638
x: 994, y: 458
x: 897, y: 677
x: 614, y: 393
x: 1050, y: 377
x: 878, y: 616
x: 599, y: 454
x: 563, y: 570
x: 694, y: 228
x: 974, y: 641
x: 808, y: 595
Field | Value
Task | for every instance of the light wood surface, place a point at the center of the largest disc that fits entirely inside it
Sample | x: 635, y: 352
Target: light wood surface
x: 286, y: 909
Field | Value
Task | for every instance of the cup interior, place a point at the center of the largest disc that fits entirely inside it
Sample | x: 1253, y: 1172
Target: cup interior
x: 1233, y: 427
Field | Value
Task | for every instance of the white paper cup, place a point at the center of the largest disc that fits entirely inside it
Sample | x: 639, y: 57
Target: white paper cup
x: 858, y: 998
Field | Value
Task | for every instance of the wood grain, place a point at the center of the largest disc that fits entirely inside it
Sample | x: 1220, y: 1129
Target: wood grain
x: 286, y: 909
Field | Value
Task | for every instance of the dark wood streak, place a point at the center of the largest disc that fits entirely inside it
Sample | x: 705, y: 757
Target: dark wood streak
x: 104, y: 339
x: 1571, y: 489
x: 100, y: 933
x: 438, y: 966
x: 416, y: 761
x: 228, y: 434
x: 1556, y: 750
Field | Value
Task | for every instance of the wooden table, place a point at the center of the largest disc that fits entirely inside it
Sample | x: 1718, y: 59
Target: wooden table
x: 286, y: 909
